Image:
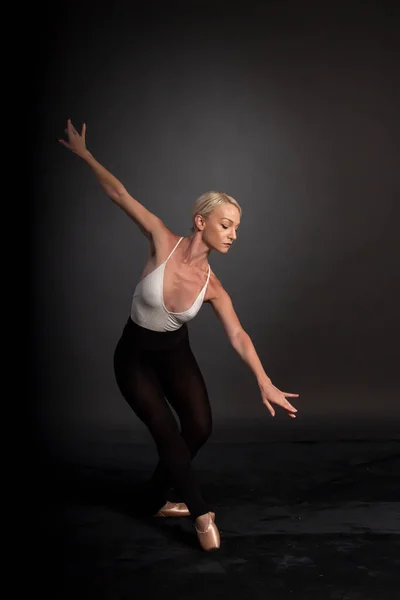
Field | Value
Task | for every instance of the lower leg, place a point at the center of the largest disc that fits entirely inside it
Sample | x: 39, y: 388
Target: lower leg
x: 174, y: 468
x: 160, y: 485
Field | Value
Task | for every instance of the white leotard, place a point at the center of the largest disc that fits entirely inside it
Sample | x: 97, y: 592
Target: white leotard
x: 148, y: 308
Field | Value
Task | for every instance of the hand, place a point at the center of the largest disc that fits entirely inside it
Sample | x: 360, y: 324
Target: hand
x: 76, y: 142
x: 270, y: 393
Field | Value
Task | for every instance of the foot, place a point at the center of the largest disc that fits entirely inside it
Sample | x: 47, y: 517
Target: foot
x: 173, y: 509
x: 207, y: 532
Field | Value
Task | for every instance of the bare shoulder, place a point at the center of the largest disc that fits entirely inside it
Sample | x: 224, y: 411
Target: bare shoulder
x: 215, y: 288
x: 222, y: 305
x: 162, y: 240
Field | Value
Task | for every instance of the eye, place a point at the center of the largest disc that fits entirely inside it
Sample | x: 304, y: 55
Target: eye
x: 224, y: 226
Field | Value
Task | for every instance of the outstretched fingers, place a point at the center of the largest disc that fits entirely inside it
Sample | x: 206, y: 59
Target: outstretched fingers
x: 64, y: 143
x: 289, y: 407
x: 71, y: 130
x: 291, y: 410
x: 270, y: 407
x: 287, y: 403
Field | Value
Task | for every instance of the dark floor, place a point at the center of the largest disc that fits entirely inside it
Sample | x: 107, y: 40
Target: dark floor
x: 313, y: 521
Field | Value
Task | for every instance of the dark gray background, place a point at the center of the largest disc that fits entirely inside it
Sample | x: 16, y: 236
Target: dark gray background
x: 291, y: 108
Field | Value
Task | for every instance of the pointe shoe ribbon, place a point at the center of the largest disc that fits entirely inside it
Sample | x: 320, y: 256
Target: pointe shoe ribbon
x: 173, y: 509
x: 208, y: 536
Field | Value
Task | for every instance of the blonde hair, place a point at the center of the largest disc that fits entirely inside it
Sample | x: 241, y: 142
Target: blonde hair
x: 206, y: 203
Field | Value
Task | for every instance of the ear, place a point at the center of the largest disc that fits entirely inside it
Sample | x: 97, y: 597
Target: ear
x: 199, y: 222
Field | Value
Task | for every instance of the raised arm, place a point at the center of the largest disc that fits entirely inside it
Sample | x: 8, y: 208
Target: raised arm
x: 150, y: 225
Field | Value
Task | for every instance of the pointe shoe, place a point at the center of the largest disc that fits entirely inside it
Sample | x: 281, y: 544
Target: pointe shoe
x: 173, y: 509
x: 208, y: 536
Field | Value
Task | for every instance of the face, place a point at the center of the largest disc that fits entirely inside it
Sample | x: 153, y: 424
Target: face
x: 220, y: 227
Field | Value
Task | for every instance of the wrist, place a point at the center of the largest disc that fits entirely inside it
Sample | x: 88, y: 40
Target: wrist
x: 264, y: 381
x: 86, y: 155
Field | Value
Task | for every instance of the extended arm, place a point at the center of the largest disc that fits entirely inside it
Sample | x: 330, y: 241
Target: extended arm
x: 149, y: 223
x: 241, y: 342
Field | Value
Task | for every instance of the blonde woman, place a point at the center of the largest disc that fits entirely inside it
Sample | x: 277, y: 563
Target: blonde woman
x: 153, y: 361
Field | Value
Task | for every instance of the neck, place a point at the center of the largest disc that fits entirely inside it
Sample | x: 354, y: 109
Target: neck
x: 195, y: 252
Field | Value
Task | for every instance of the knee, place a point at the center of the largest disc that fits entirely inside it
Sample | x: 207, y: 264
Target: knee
x: 162, y: 428
x: 205, y: 431
x: 197, y: 434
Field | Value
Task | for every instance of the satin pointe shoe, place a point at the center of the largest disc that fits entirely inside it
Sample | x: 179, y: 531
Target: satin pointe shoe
x: 173, y: 509
x: 208, y: 535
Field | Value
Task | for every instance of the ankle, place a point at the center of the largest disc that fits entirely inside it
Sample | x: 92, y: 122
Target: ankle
x: 203, y: 521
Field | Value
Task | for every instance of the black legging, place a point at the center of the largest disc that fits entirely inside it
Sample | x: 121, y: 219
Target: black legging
x: 152, y: 367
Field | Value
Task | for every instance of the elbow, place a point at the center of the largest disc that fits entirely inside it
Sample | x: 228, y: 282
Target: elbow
x: 117, y: 194
x: 238, y: 337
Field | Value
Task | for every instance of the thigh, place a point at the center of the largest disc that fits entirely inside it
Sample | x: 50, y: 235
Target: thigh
x: 185, y: 388
x: 140, y: 386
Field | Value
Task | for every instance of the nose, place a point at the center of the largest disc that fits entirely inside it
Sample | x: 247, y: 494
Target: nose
x: 233, y: 235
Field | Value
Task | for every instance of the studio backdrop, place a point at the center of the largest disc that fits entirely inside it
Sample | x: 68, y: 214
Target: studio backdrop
x: 292, y: 111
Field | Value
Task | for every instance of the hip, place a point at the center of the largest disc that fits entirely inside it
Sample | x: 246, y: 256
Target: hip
x: 140, y: 338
